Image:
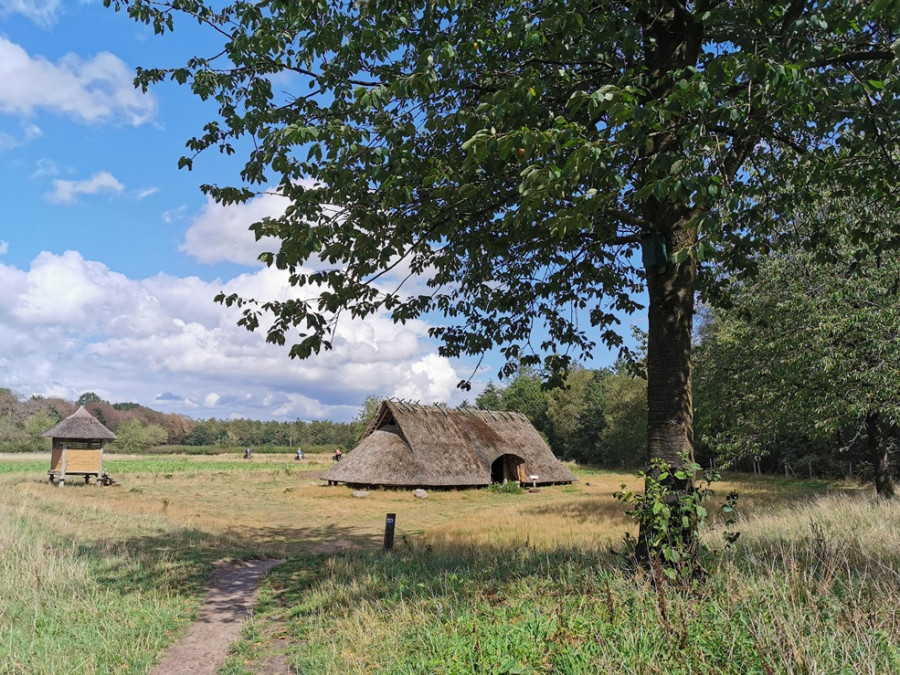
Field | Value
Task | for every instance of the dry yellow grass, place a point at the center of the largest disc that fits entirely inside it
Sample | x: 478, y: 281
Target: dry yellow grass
x: 282, y: 507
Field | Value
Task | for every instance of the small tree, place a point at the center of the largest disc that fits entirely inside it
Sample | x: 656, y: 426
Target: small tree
x: 365, y: 415
x: 87, y: 398
x: 490, y: 398
x: 155, y: 434
x: 134, y: 436
x: 624, y: 434
x: 38, y: 424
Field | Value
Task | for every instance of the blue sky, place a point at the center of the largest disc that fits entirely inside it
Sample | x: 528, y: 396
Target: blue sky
x: 110, y: 256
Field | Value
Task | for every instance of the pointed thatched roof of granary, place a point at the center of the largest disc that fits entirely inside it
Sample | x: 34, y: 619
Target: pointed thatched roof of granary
x: 81, y: 425
x: 412, y: 445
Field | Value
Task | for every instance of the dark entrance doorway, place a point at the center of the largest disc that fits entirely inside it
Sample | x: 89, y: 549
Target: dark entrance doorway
x: 506, y: 468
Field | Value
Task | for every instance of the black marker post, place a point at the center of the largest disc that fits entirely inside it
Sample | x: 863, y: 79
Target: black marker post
x: 389, y: 531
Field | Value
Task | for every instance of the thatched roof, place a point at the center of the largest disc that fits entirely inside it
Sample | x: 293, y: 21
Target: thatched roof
x: 81, y: 425
x: 411, y: 445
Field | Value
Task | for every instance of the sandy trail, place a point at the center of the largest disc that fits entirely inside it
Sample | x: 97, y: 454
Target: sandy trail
x: 230, y: 599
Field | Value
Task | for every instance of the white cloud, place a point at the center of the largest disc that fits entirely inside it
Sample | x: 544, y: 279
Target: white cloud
x: 221, y: 233
x: 47, y: 167
x: 4, y: 247
x: 64, y: 290
x: 172, y: 215
x: 42, y: 12
x: 73, y: 325
x: 428, y: 380
x: 29, y: 133
x: 146, y: 192
x: 90, y: 90
x: 67, y: 191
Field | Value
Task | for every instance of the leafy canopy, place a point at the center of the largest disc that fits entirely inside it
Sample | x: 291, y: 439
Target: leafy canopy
x: 511, y: 154
x: 810, y: 347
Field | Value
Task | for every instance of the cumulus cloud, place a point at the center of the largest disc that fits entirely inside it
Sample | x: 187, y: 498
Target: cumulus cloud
x: 74, y: 325
x: 95, y: 89
x: 63, y: 290
x: 42, y: 12
x: 221, y: 233
x: 67, y: 191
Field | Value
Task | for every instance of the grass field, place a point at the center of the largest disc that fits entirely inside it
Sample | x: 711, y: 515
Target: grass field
x: 102, y: 580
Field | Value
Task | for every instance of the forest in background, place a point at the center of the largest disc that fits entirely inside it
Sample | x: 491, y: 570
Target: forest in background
x: 138, y: 427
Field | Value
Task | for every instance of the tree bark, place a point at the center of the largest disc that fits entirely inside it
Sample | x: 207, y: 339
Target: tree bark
x: 673, y: 42
x: 670, y: 416
x: 878, y: 451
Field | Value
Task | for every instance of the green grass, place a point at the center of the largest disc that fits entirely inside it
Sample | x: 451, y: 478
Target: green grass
x: 211, y: 450
x: 85, y: 592
x: 102, y: 580
x: 155, y: 464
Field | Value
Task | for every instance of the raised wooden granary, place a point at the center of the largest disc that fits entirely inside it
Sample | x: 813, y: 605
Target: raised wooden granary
x: 78, y: 443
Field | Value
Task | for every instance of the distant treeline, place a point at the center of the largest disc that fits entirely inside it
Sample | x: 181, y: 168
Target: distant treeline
x: 22, y: 421
x: 599, y: 417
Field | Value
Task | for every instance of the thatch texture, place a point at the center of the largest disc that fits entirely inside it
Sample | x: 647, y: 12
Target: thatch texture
x: 80, y: 425
x: 411, y: 445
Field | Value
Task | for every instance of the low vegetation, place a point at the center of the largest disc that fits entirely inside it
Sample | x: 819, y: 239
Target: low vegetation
x: 812, y: 605
x: 479, y: 581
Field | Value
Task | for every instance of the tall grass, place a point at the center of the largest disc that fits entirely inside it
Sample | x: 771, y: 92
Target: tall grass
x: 812, y: 589
x: 87, y: 592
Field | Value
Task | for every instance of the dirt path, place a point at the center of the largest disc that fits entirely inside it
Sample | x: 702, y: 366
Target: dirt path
x: 230, y: 599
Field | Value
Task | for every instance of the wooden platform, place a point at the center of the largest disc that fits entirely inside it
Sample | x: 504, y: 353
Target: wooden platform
x: 66, y: 462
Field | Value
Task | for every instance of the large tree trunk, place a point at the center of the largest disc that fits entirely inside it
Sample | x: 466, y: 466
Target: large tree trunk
x: 670, y: 417
x: 878, y: 451
x: 672, y: 42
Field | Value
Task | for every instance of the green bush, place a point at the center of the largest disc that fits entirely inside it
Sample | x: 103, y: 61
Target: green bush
x: 671, y: 515
x: 508, y: 488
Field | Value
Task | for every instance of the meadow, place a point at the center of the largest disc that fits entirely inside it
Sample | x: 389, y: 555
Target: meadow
x: 103, y: 579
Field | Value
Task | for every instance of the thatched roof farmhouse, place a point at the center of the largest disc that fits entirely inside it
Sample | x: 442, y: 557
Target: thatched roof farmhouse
x: 412, y: 445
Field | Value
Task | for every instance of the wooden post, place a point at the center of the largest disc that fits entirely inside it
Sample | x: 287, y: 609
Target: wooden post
x: 389, y: 531
x: 62, y: 466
